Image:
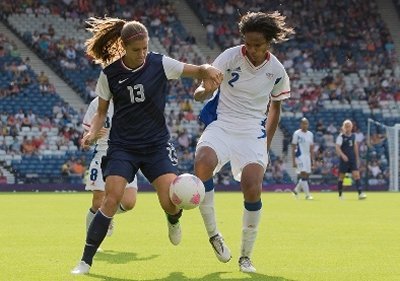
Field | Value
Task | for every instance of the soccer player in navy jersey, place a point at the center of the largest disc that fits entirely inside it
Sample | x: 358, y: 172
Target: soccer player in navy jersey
x: 238, y: 129
x: 347, y: 150
x: 136, y: 80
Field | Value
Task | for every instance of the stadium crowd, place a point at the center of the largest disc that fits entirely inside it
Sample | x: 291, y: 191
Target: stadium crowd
x: 323, y: 54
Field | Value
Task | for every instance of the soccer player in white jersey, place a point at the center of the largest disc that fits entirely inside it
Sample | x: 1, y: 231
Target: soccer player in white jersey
x: 241, y: 119
x: 94, y: 178
x: 303, y: 157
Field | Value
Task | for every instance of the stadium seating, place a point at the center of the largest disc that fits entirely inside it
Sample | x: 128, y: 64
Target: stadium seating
x: 333, y: 67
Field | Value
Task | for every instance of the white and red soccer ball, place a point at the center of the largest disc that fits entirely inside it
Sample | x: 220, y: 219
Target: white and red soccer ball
x: 187, y: 191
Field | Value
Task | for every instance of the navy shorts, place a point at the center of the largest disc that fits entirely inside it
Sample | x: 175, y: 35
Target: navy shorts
x: 124, y: 163
x: 347, y: 167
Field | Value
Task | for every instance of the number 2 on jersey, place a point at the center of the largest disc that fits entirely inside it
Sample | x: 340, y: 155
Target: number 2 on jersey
x: 136, y: 93
x: 235, y: 77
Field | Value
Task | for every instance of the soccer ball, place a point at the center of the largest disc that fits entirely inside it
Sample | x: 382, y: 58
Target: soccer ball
x: 187, y: 191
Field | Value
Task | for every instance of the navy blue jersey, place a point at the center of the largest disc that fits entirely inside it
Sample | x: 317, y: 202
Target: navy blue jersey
x: 139, y: 98
x: 347, y: 145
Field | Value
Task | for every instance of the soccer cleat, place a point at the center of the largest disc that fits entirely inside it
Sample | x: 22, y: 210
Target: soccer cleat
x: 220, y: 249
x: 110, y: 230
x: 362, y: 196
x: 99, y: 250
x: 341, y: 197
x: 295, y: 194
x: 81, y: 268
x: 309, y: 197
x: 174, y: 233
x: 245, y: 265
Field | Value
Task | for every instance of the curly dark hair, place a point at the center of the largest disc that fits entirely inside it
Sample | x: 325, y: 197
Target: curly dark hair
x: 271, y: 25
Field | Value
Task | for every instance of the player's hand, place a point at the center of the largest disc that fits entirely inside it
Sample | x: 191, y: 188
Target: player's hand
x: 213, y: 78
x: 88, y: 140
x: 345, y: 158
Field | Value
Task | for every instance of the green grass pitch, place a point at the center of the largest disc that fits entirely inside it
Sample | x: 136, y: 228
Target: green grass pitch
x: 42, y: 234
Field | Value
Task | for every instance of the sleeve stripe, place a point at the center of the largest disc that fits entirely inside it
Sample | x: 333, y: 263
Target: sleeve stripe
x: 86, y: 125
x: 275, y: 96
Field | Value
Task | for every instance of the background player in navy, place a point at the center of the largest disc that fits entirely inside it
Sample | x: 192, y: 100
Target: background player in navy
x: 347, y: 150
x: 139, y: 136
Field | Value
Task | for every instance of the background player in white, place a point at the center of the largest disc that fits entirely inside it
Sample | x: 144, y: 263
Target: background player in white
x: 94, y: 178
x: 303, y: 157
x: 237, y: 128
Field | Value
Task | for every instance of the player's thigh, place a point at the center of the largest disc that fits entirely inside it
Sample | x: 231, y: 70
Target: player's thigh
x: 305, y: 166
x: 248, y: 149
x: 218, y: 140
x: 120, y: 163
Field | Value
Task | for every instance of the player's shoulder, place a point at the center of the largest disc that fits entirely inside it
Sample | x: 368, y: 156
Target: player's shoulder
x: 233, y: 53
x: 297, y: 132
x: 275, y: 63
x: 154, y: 57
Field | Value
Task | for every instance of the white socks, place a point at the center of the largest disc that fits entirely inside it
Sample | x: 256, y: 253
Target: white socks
x: 208, y: 213
x: 251, y: 220
x: 89, y: 217
x: 306, y: 188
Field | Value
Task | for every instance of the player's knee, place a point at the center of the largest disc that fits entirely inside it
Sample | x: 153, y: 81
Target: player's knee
x: 204, y: 166
x: 129, y: 205
x: 252, y: 192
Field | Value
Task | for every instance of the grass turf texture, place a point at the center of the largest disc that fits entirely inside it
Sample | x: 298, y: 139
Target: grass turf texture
x: 42, y: 235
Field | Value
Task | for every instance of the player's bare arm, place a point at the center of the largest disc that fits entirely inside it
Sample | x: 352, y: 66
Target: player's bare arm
x: 272, y: 120
x: 340, y: 153
x: 293, y: 155
x: 312, y: 155
x: 97, y: 124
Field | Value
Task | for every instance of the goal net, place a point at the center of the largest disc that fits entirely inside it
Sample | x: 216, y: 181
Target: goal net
x: 383, y: 143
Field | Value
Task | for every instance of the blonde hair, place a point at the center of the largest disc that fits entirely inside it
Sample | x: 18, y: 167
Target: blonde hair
x: 345, y: 122
x: 105, y: 46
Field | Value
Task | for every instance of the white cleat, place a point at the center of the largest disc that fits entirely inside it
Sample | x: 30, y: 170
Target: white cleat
x: 362, y: 196
x: 81, y: 268
x: 99, y: 250
x: 245, y: 265
x: 110, y: 230
x: 174, y: 233
x: 295, y: 194
x: 220, y: 249
x: 309, y: 197
x: 341, y: 197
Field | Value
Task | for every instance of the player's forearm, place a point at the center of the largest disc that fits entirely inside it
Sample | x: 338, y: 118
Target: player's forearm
x: 97, y: 123
x: 272, y: 121
x: 339, y: 152
x: 293, y: 153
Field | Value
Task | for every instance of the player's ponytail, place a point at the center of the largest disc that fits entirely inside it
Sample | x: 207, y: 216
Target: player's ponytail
x: 105, y: 44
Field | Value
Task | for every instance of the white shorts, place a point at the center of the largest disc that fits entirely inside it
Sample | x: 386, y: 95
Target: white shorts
x: 239, y: 147
x: 303, y: 163
x: 94, y: 177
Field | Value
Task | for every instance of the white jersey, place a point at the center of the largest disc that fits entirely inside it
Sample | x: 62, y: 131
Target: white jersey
x: 102, y: 143
x: 246, y: 90
x: 304, y: 141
